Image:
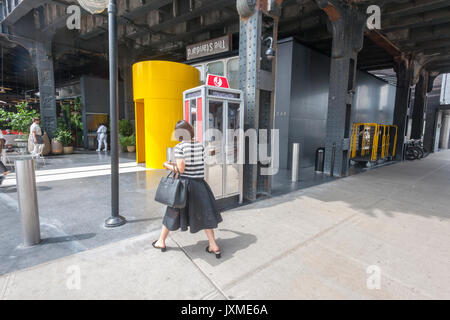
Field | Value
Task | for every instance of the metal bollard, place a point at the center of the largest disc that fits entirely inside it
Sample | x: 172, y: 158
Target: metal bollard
x: 295, y: 161
x: 28, y: 202
x: 320, y: 160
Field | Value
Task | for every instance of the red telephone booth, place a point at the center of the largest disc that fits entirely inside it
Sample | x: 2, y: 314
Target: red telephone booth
x: 217, y: 115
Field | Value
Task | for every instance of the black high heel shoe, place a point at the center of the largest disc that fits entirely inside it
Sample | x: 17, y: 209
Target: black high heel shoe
x: 218, y: 254
x: 154, y: 246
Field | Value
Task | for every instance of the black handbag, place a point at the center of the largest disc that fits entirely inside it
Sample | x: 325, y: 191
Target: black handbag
x: 172, y: 192
x: 39, y: 139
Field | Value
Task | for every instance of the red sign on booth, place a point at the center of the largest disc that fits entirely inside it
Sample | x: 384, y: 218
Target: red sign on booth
x: 218, y: 81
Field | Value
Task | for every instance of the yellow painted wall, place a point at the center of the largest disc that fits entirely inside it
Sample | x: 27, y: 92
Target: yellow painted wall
x: 158, y: 94
x: 140, y: 131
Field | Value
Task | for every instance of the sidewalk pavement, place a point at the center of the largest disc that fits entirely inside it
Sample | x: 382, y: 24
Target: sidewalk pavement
x: 327, y: 242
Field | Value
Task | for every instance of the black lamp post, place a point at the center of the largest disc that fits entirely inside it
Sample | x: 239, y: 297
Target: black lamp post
x: 115, y: 220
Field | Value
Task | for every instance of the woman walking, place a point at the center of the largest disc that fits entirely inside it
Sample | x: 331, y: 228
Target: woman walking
x: 201, y: 212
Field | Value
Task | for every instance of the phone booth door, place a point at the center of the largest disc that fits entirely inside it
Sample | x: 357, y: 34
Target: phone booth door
x: 214, y: 145
x: 224, y: 144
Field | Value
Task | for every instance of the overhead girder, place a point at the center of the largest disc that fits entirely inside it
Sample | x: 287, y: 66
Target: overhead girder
x: 411, y: 25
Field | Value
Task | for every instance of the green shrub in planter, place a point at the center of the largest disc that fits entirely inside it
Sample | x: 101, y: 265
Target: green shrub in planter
x: 128, y: 141
x: 64, y: 136
x: 20, y: 120
x: 125, y: 128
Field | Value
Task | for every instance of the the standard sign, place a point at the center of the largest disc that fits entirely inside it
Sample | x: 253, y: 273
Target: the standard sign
x: 207, y: 48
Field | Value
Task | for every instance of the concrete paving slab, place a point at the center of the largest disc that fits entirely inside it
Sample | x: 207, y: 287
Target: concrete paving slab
x: 316, y: 243
x: 315, y: 272
x: 129, y: 269
x: 252, y: 239
x: 405, y: 248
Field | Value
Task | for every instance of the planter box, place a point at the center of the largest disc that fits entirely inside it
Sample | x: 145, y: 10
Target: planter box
x: 68, y: 150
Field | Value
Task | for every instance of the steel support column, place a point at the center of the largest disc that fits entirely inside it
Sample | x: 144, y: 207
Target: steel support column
x: 258, y: 22
x: 127, y: 58
x: 347, y: 27
x: 42, y: 56
x: 402, y: 100
x: 420, y: 104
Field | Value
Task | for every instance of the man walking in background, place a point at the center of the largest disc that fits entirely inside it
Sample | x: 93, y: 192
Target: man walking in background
x: 102, y: 136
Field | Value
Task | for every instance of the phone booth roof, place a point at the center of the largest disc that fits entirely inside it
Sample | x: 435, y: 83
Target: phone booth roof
x: 213, y: 92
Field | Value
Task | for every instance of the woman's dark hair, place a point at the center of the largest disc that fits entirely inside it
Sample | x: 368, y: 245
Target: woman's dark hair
x: 36, y: 119
x: 184, y: 131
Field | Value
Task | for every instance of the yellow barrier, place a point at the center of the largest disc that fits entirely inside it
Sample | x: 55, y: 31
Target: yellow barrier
x: 373, y: 141
x: 158, y: 94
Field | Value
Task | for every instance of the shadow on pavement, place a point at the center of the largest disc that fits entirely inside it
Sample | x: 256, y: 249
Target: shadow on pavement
x: 228, y: 247
x: 76, y: 237
x: 14, y: 189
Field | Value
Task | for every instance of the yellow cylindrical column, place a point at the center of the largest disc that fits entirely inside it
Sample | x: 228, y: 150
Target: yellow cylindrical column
x: 158, y: 94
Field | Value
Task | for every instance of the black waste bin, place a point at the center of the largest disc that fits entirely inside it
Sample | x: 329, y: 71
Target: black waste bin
x: 320, y: 160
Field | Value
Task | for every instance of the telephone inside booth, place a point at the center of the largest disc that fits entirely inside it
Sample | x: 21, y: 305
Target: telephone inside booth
x: 217, y: 114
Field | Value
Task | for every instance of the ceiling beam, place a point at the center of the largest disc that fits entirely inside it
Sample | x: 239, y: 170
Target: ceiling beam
x: 417, y: 7
x: 210, y: 5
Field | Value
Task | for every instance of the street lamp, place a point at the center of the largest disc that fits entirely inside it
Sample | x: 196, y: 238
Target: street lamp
x: 95, y: 7
x: 115, y: 220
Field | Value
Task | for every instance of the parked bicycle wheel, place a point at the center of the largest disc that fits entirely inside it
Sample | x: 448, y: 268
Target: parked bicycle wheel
x: 420, y: 152
x: 412, y: 154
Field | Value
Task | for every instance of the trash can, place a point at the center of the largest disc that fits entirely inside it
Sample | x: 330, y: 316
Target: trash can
x: 28, y: 202
x: 320, y: 160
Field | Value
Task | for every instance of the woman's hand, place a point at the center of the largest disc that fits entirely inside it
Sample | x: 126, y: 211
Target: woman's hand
x: 169, y: 166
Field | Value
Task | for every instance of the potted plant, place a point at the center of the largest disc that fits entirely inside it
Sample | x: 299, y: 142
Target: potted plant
x: 65, y: 137
x: 125, y: 130
x: 129, y: 142
x: 57, y: 145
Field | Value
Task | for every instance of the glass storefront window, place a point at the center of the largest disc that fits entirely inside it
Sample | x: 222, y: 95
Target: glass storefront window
x: 202, y: 74
x: 233, y: 73
x: 216, y: 68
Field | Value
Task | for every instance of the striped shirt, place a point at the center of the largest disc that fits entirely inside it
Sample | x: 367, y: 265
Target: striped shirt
x: 193, y: 154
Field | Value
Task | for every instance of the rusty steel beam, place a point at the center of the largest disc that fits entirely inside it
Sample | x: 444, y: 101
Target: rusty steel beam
x: 383, y: 42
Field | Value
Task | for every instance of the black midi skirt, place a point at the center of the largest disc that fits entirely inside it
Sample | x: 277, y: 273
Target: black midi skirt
x: 200, y: 212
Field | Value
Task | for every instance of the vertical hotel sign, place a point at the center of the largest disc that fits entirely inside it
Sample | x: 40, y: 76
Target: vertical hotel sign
x: 208, y: 48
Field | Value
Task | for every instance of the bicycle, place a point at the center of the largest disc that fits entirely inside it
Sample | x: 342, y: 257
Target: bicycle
x: 415, y: 150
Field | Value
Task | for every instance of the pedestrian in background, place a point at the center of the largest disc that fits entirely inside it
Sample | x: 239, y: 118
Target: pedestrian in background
x: 3, y: 170
x: 36, y: 135
x: 201, y: 212
x: 102, y: 137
